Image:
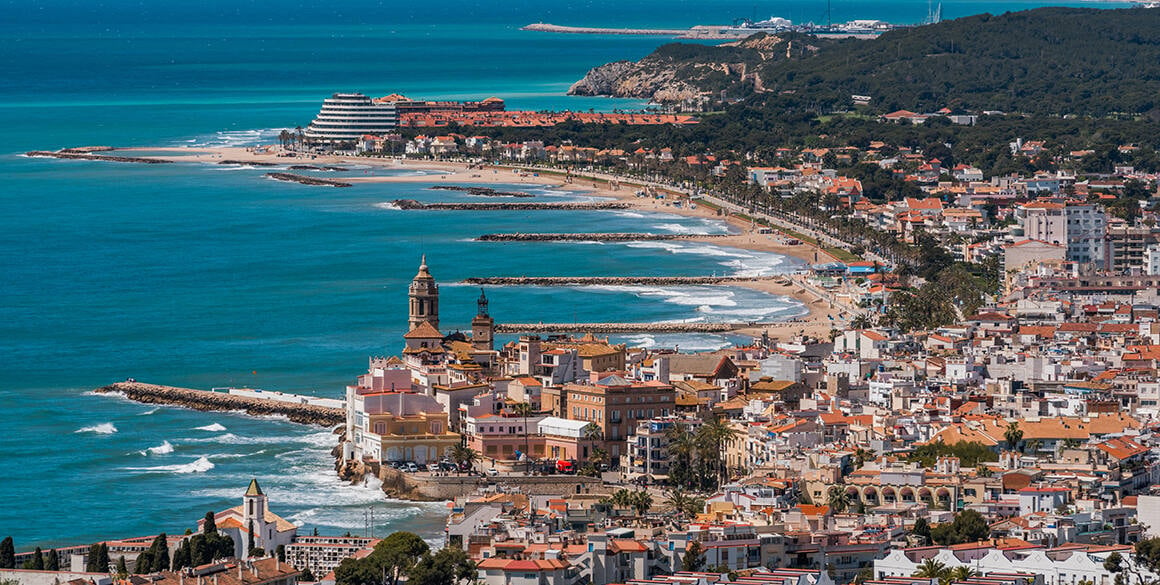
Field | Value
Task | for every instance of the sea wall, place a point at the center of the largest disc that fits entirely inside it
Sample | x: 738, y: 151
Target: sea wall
x: 412, y: 205
x: 594, y: 237
x: 613, y: 280
x: 424, y: 487
x: 307, y: 180
x: 306, y: 414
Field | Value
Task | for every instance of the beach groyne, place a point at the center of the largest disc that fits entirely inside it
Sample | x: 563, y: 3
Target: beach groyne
x: 88, y: 154
x: 594, y: 237
x: 205, y: 400
x: 307, y: 180
x: 481, y: 191
x: 613, y: 280
x: 248, y: 163
x: 412, y: 205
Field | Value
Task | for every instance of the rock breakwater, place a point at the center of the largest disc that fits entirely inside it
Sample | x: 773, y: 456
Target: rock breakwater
x: 593, y: 237
x: 205, y: 400
x: 307, y: 180
x: 87, y: 153
x: 248, y: 163
x: 412, y: 205
x: 317, y: 168
x: 613, y: 280
x: 482, y: 191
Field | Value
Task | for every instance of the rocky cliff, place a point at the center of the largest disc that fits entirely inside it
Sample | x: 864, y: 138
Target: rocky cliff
x: 684, y: 72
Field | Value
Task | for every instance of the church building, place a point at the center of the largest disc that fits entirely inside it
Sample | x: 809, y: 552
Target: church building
x: 253, y: 517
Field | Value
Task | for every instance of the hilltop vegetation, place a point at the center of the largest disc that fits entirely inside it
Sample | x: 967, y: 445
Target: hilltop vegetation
x: 1049, y: 61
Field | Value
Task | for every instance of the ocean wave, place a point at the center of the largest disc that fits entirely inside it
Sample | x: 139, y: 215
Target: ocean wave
x: 629, y: 214
x: 101, y: 429
x: 320, y: 439
x: 212, y: 428
x: 388, y: 206
x: 234, y: 138
x: 164, y: 448
x: 201, y: 465
x: 149, y: 412
x: 688, y: 296
x: 677, y: 228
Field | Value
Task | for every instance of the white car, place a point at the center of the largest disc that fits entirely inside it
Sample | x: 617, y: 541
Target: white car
x: 493, y: 472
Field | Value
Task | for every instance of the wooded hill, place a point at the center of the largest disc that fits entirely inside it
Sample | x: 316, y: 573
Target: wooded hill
x: 1048, y: 61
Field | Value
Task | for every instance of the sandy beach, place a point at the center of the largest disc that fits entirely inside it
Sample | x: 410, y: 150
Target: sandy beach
x: 817, y: 323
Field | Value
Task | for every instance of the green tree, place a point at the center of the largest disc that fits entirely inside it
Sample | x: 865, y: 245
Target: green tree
x: 91, y: 558
x: 181, y: 555
x: 280, y: 552
x: 837, y: 499
x: 930, y: 569
x: 641, y: 502
x: 103, y: 558
x: 694, y: 557
x: 391, y: 560
x: 968, y: 526
x: 714, y: 436
x: 250, y: 535
x: 464, y: 457
x: 1013, y: 435
x: 684, y: 505
x: 257, y: 552
x: 36, y: 563
x: 307, y: 576
x: 122, y: 568
x: 159, y: 551
x: 921, y: 528
x: 210, y: 524
x: 448, y: 566
x: 52, y: 560
x: 7, y: 553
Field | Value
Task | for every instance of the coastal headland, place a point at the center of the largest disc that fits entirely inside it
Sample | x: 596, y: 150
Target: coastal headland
x: 205, y: 400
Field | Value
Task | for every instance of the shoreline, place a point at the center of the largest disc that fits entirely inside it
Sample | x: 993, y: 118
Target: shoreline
x: 820, y: 315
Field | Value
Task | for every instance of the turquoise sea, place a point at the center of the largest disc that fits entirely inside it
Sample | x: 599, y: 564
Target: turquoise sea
x: 204, y: 275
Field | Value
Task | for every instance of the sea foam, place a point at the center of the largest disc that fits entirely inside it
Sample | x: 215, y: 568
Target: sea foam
x: 201, y: 465
x: 212, y: 428
x: 164, y: 448
x: 101, y: 429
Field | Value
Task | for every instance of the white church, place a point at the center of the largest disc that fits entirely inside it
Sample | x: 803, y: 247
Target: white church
x: 253, y: 515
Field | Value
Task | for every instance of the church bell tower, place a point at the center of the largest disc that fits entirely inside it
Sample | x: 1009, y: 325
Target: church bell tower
x: 482, y: 326
x: 424, y: 296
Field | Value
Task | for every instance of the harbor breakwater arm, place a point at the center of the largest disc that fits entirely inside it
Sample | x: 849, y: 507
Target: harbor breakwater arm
x: 594, y: 237
x: 412, y: 205
x: 307, y: 414
x: 613, y: 280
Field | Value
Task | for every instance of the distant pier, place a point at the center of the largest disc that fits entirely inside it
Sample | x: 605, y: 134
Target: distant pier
x: 76, y: 154
x: 412, y: 205
x: 593, y: 237
x: 307, y: 180
x: 307, y: 414
x: 615, y: 280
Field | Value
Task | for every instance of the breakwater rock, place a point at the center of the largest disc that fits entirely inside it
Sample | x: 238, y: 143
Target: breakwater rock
x: 482, y: 191
x: 596, y: 237
x: 622, y: 327
x: 248, y: 163
x: 307, y: 180
x: 317, y: 168
x: 613, y: 280
x: 412, y: 205
x: 87, y: 154
x: 205, y: 400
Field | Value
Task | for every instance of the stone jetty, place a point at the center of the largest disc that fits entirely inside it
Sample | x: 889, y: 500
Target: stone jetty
x: 481, y: 191
x: 594, y: 237
x: 317, y: 168
x: 613, y: 280
x: 307, y: 180
x: 624, y: 327
x: 248, y: 163
x: 86, y: 154
x: 205, y: 400
x: 412, y: 205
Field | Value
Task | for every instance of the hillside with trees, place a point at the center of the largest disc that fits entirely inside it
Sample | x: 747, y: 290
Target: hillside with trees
x: 1048, y: 61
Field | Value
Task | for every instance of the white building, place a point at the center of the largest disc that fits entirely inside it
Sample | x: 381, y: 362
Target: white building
x: 1057, y: 567
x: 253, y: 517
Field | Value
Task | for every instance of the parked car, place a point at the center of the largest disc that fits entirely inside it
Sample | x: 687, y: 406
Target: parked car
x: 565, y: 466
x: 493, y: 472
x: 412, y: 467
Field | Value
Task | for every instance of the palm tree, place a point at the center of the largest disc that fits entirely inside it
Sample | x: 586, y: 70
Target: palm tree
x: 930, y: 569
x: 621, y: 498
x: 640, y: 502
x: 960, y: 574
x: 1013, y: 435
x: 681, y: 449
x: 715, y: 435
x: 683, y: 504
x: 837, y: 499
x: 523, y: 409
x: 464, y: 456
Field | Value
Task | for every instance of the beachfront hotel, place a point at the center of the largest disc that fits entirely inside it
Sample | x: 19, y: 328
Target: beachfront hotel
x: 349, y: 116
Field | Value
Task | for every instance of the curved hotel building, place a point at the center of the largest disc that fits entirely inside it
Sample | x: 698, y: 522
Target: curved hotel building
x: 348, y: 116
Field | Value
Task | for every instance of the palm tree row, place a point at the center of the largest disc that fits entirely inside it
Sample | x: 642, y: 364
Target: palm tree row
x: 639, y: 501
x: 932, y: 569
x: 697, y: 459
